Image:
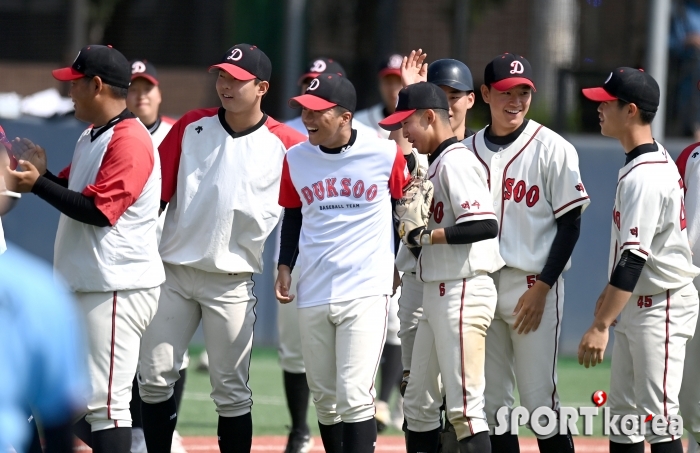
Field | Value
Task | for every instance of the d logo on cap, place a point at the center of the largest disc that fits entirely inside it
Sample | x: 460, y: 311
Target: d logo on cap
x: 236, y: 55
x: 518, y: 67
x: 395, y: 61
x: 313, y: 85
x: 318, y: 66
x: 138, y: 67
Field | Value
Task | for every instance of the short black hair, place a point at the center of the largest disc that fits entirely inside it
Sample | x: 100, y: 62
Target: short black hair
x: 645, y: 116
x: 442, y: 114
x: 118, y: 92
x: 340, y: 110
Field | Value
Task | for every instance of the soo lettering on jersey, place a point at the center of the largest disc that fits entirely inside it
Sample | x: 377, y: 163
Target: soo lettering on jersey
x: 519, y: 191
x: 330, y: 188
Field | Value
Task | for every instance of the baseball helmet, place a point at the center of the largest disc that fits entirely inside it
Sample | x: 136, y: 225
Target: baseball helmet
x: 451, y: 73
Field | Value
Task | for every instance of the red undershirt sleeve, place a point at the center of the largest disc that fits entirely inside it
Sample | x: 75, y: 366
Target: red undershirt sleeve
x: 289, y: 197
x: 399, y: 175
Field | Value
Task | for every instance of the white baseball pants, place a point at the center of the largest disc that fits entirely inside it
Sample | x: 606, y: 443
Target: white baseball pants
x: 289, y: 349
x: 648, y: 355
x: 450, y: 342
x: 342, y: 343
x: 115, y: 323
x: 409, y: 312
x: 225, y: 304
x: 528, y: 359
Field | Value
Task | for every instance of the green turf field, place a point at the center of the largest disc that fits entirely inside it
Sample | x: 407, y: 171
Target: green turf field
x: 198, y: 417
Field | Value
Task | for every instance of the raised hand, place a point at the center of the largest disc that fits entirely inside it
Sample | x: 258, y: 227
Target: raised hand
x: 413, y: 68
x: 25, y: 149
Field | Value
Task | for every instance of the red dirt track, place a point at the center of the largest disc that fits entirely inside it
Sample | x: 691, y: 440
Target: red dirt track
x: 386, y: 444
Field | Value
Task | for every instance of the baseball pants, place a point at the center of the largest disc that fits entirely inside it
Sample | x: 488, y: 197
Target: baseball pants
x: 528, y: 359
x: 648, y: 355
x: 225, y: 304
x: 342, y: 343
x: 409, y: 312
x: 690, y: 389
x: 450, y: 338
x: 289, y: 349
x: 115, y: 323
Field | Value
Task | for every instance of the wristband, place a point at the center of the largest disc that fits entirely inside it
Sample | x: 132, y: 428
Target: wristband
x: 426, y: 238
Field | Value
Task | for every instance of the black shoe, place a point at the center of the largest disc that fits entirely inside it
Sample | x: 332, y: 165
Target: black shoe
x: 299, y: 443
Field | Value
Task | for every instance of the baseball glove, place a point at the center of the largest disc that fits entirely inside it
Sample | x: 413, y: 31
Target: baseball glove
x: 413, y: 209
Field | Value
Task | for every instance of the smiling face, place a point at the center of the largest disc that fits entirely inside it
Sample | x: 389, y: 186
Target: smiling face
x: 460, y: 102
x: 416, y: 129
x: 143, y: 100
x: 238, y: 96
x: 324, y: 127
x: 508, y: 108
x: 83, y: 92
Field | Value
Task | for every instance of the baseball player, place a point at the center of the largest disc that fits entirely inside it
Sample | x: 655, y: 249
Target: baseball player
x: 143, y: 100
x: 389, y: 78
x: 106, y: 246
x: 538, y: 198
x: 689, y: 394
x: 651, y: 270
x: 337, y: 189
x: 221, y: 173
x: 457, y: 250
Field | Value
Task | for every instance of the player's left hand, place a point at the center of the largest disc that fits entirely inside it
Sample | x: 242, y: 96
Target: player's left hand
x: 22, y: 181
x: 592, y: 346
x: 413, y: 68
x: 530, y: 307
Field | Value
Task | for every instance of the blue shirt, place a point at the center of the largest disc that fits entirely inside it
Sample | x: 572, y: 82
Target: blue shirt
x: 43, y: 360
x: 686, y: 20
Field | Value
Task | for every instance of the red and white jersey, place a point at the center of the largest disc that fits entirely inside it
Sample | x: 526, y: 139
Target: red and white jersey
x: 689, y: 169
x: 118, y: 167
x: 166, y: 123
x: 649, y: 220
x: 461, y: 194
x: 222, y: 187
x: 533, y: 181
x: 346, y: 247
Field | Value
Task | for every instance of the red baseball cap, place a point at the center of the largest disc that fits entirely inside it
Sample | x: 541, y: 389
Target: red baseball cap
x: 326, y: 91
x: 507, y: 71
x: 391, y: 66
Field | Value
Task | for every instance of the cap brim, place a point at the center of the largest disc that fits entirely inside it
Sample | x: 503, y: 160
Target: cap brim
x: 311, y: 102
x: 233, y: 70
x: 393, y: 121
x: 148, y: 77
x: 390, y: 71
x: 507, y: 84
x: 66, y: 74
x: 598, y: 94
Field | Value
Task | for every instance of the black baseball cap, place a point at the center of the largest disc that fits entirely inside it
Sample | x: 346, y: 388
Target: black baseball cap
x: 391, y: 65
x: 417, y: 96
x: 326, y: 91
x: 245, y: 62
x: 95, y: 60
x: 319, y: 66
x: 629, y: 85
x: 451, y: 73
x: 144, y: 69
x: 508, y: 70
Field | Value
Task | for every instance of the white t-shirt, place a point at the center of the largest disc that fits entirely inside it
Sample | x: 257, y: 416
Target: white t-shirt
x: 533, y: 181
x: 346, y: 248
x: 461, y: 194
x: 649, y: 220
x: 222, y: 187
x: 119, y: 168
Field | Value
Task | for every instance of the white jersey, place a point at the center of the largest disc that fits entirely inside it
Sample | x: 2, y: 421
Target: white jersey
x: 371, y: 117
x: 460, y: 195
x: 119, y: 169
x: 298, y: 125
x: 346, y: 248
x: 222, y: 187
x: 689, y: 168
x: 533, y: 181
x: 649, y: 220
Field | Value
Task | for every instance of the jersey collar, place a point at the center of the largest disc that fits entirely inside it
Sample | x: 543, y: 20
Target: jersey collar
x: 234, y: 134
x: 441, y: 147
x: 639, y: 150
x: 97, y: 131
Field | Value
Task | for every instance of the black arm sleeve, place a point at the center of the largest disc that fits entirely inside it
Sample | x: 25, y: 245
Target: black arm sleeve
x: 53, y: 178
x: 410, y: 161
x: 289, y: 237
x: 469, y: 232
x: 568, y: 230
x: 163, y: 205
x: 73, y: 204
x: 627, y: 271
